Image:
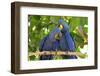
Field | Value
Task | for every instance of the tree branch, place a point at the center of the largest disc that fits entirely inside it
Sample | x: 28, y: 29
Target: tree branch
x: 58, y: 53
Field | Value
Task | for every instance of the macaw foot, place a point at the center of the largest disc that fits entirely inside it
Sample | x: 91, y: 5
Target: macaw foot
x: 46, y: 57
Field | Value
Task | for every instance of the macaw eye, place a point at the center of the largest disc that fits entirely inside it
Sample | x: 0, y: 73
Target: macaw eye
x: 60, y: 27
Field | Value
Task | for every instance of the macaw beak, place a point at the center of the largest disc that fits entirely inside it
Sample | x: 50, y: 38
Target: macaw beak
x: 60, y: 26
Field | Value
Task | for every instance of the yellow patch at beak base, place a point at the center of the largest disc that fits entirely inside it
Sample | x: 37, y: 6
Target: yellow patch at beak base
x: 57, y: 36
x: 60, y: 27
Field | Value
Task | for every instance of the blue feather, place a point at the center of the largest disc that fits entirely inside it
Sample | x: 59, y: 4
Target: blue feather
x: 69, y: 41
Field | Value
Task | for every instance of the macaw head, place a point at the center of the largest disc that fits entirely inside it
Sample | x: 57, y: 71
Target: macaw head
x: 63, y: 26
x: 55, y: 34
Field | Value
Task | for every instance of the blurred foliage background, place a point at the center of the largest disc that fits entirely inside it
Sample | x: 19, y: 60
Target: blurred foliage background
x: 39, y: 26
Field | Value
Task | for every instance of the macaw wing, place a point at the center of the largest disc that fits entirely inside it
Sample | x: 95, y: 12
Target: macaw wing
x: 67, y: 44
x: 42, y: 43
x: 69, y: 41
x: 63, y: 44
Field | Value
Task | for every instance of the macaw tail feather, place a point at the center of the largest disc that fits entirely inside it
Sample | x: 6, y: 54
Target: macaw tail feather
x: 72, y: 57
x: 68, y: 57
x: 46, y: 57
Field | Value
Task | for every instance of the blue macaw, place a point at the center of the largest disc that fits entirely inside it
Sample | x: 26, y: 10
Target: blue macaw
x: 66, y: 41
x: 50, y: 43
x: 58, y: 39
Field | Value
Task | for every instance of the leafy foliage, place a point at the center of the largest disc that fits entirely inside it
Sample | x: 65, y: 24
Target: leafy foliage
x: 40, y: 26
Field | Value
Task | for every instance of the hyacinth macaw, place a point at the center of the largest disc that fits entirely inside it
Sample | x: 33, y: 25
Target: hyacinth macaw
x: 50, y: 43
x: 66, y: 41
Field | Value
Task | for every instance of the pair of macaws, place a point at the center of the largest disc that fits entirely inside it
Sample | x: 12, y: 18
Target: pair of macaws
x: 58, y: 39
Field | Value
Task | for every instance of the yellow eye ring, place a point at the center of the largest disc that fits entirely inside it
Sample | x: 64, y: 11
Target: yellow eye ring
x: 61, y: 27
